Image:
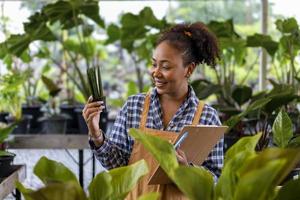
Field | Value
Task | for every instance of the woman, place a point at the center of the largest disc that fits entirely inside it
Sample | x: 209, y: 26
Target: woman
x: 168, y: 107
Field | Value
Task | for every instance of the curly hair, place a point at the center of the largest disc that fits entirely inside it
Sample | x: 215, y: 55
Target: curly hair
x: 195, y: 41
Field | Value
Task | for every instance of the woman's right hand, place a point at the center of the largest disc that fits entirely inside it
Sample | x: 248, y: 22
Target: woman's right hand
x: 91, y: 114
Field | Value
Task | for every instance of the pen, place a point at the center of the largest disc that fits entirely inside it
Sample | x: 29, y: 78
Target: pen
x: 181, y: 139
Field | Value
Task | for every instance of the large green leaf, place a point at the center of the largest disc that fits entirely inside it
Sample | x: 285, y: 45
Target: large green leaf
x: 196, y: 183
x: 241, y: 94
x: 223, y: 29
x: 265, y: 41
x: 289, y: 191
x: 287, y: 25
x: 235, y: 158
x: 125, y: 178
x: 162, y: 150
x: 66, y: 191
x: 290, y: 157
x: 282, y: 129
x: 51, y: 171
x: 149, y: 18
x: 259, y: 182
x: 204, y: 89
x: 104, y: 191
x: 90, y: 8
x: 244, y: 144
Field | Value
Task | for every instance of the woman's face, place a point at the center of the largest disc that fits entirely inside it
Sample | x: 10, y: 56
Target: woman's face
x: 168, y: 72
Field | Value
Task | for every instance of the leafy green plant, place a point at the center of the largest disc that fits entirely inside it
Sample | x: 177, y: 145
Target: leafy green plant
x: 5, y: 130
x: 245, y: 174
x: 53, y: 24
x: 61, y: 183
x: 282, y: 129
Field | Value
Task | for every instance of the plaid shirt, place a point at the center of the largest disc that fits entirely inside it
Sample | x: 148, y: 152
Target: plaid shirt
x: 117, y: 146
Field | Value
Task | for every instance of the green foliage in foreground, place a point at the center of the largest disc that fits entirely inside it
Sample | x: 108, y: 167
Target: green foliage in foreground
x: 246, y: 173
x: 61, y: 183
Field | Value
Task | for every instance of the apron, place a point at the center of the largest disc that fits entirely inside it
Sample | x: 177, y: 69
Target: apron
x: 167, y: 191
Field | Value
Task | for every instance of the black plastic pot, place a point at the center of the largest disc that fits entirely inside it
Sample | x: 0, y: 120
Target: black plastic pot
x: 72, y: 123
x: 36, y: 113
x: 23, y: 125
x: 3, y: 116
x: 56, y: 124
x: 5, y: 165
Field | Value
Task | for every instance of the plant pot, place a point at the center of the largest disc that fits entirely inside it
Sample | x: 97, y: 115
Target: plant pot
x: 35, y: 112
x: 3, y: 116
x: 72, y: 124
x: 82, y: 125
x: 5, y: 165
x: 23, y: 125
x: 56, y: 124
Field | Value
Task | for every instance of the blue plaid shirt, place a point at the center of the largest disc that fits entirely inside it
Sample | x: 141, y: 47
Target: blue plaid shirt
x: 117, y: 146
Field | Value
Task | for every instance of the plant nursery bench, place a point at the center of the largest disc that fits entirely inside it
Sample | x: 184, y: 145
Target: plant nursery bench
x: 7, y: 185
x: 55, y: 141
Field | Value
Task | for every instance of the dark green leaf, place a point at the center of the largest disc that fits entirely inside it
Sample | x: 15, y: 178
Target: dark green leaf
x: 241, y: 94
x: 203, y: 89
x: 287, y: 25
x: 51, y: 86
x: 282, y: 129
x: 289, y: 191
x: 113, y: 32
x: 90, y: 9
x: 223, y: 29
x: 265, y: 41
x: 50, y: 171
x: 294, y: 143
x: 87, y: 30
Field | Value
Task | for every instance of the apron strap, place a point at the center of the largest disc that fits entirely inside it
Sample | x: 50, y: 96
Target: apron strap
x: 145, y: 111
x: 146, y: 106
x: 198, y: 113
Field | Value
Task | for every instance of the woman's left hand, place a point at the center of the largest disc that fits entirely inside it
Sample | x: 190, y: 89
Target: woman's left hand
x: 181, y: 157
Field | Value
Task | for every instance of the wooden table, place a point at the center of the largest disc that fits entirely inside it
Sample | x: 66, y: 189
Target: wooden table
x: 54, y: 141
x: 7, y: 185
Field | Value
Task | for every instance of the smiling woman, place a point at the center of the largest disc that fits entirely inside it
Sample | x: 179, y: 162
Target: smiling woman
x: 165, y: 110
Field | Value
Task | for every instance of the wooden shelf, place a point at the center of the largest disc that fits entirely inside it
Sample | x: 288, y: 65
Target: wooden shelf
x: 7, y: 185
x: 49, y: 141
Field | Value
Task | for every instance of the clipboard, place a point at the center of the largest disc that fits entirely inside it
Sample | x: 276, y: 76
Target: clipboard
x: 197, y: 145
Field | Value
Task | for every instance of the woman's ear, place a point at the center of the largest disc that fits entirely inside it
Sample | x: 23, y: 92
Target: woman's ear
x: 190, y: 69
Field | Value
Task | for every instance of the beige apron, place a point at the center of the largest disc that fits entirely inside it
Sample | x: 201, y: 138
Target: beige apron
x: 169, y: 191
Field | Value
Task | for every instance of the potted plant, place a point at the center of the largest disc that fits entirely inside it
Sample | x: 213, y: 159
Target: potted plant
x: 6, y: 158
x: 53, y: 121
x: 11, y: 99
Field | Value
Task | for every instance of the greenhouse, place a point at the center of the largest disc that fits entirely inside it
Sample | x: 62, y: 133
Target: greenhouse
x: 149, y: 99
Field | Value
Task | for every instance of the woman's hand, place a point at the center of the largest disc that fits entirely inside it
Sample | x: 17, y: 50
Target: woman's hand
x: 91, y: 114
x: 181, y: 157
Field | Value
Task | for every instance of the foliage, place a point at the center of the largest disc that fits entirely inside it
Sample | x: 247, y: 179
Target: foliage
x: 10, y: 97
x: 61, y: 183
x: 246, y: 173
x: 137, y: 34
x: 63, y: 16
x: 95, y: 82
